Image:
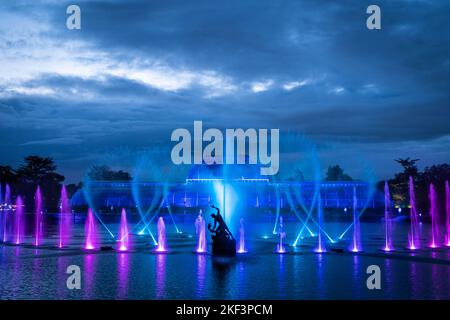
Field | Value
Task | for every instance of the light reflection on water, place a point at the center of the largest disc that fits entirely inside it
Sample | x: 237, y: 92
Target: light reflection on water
x: 28, y: 273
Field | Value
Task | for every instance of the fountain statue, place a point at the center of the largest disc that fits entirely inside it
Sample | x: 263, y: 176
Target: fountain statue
x: 224, y: 243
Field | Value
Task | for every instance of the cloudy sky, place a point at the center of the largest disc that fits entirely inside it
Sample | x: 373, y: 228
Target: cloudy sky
x: 139, y: 69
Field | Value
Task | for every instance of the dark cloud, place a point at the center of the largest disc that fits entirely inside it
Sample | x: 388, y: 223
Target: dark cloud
x: 383, y: 90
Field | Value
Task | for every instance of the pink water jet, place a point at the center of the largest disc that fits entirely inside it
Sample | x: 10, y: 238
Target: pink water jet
x: 161, y: 247
x: 447, y: 213
x: 356, y: 245
x: 200, y: 230
x: 434, y: 217
x: 19, y: 222
x: 6, y: 212
x: 387, y: 219
x: 123, y: 241
x: 65, y: 219
x: 38, y: 217
x: 413, y: 236
x: 90, y: 231
x: 281, y: 236
x: 241, y: 246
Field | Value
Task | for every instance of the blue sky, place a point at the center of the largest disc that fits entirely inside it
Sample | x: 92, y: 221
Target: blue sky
x: 139, y: 69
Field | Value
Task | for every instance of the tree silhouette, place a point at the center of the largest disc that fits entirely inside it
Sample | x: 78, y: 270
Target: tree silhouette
x: 7, y: 174
x: 409, y: 166
x: 104, y: 173
x: 38, y: 169
x: 336, y: 173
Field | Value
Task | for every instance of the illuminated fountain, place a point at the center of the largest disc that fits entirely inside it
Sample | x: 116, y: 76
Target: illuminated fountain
x: 434, y: 218
x: 200, y: 230
x: 6, y: 212
x: 90, y: 232
x: 65, y: 219
x: 447, y: 212
x: 356, y: 245
x: 38, y: 217
x: 123, y: 242
x: 281, y: 235
x: 320, y: 246
x: 161, y: 247
x: 18, y: 222
x: 241, y: 246
x: 413, y: 235
x: 387, y: 219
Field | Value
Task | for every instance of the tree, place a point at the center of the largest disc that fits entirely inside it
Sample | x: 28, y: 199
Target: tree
x: 104, y: 173
x: 336, y: 173
x: 7, y: 174
x: 37, y: 169
x: 40, y: 171
x: 409, y: 166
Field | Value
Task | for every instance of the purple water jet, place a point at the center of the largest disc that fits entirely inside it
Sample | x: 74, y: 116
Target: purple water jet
x: 413, y: 235
x: 200, y: 230
x: 18, y: 222
x: 6, y: 211
x: 90, y: 231
x: 281, y: 236
x: 123, y: 242
x: 447, y: 213
x: 241, y: 246
x: 38, y: 217
x: 7, y: 195
x: 356, y: 245
x: 65, y: 219
x: 162, y: 245
x: 387, y: 219
x: 434, y: 217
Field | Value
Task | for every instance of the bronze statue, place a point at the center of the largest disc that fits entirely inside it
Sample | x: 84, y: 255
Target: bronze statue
x: 223, y: 240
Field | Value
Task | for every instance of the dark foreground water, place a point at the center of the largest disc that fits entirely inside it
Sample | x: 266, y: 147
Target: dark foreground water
x: 29, y: 273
